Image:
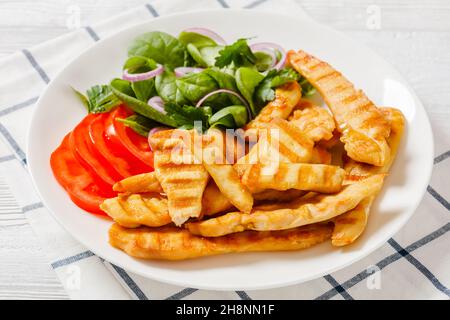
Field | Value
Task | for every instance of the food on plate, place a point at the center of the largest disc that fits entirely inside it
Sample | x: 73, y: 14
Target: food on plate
x: 350, y: 225
x: 214, y: 201
x: 363, y: 127
x: 286, y: 98
x: 182, y: 178
x: 321, y: 155
x: 302, y: 176
x: 76, y: 180
x: 279, y: 141
x: 140, y: 183
x: 203, y: 148
x: 278, y: 195
x: 224, y: 174
x: 170, y: 243
x: 134, y: 210
x: 151, y: 209
x: 87, y: 163
x: 297, y: 213
x: 315, y: 122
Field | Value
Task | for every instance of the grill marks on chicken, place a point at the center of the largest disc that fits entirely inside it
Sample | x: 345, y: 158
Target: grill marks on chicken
x: 181, y: 178
x: 169, y: 243
x: 350, y: 225
x: 301, y: 176
x: 286, y: 98
x: 363, y: 127
x: 297, y: 213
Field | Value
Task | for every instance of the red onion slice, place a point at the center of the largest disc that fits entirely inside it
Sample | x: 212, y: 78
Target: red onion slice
x: 182, y: 71
x: 263, y: 46
x: 244, y: 102
x: 268, y: 51
x: 134, y: 77
x: 207, y: 33
x: 157, y: 103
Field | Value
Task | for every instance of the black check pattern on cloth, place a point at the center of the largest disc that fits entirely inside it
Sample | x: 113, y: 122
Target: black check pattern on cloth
x: 20, y: 155
x: 337, y: 288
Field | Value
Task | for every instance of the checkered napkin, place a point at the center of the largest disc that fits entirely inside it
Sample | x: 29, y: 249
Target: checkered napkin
x: 414, y: 264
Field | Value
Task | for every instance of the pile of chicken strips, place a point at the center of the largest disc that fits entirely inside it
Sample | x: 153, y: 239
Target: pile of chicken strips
x: 297, y: 175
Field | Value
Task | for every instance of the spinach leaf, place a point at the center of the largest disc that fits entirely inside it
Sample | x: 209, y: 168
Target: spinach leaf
x: 144, y: 90
x: 159, y: 46
x: 195, y: 86
x: 265, y: 91
x: 196, y: 39
x: 263, y: 61
x: 188, y: 60
x: 247, y: 80
x: 138, y: 64
x: 230, y: 117
x: 123, y: 90
x: 238, y: 53
x: 196, y: 55
x: 167, y: 88
x: 139, y: 124
x: 224, y: 81
x: 209, y: 54
x: 186, y: 116
x: 99, y: 99
x: 206, y: 56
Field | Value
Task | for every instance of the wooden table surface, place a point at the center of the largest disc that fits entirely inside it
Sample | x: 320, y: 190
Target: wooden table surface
x: 414, y: 35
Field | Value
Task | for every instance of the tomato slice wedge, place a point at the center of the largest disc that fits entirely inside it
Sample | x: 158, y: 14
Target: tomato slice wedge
x: 97, y: 133
x: 88, y: 156
x: 97, y: 153
x: 126, y: 141
x: 74, y: 178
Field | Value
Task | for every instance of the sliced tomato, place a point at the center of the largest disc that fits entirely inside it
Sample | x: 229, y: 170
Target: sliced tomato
x: 97, y: 135
x: 88, y: 156
x: 79, y: 184
x: 128, y: 143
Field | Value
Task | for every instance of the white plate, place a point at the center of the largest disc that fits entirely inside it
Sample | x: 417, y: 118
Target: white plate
x: 58, y: 111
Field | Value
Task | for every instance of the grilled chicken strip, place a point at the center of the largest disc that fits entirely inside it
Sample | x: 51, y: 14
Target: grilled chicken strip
x: 350, y: 225
x: 363, y: 127
x: 286, y: 98
x: 140, y: 183
x: 280, y: 141
x: 302, y: 176
x: 134, y: 210
x: 290, y: 215
x: 225, y: 176
x: 150, y: 209
x: 315, y: 122
x: 169, y: 243
x: 181, y: 177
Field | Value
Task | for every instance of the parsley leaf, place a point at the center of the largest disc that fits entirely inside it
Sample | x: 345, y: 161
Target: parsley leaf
x: 99, y: 99
x: 139, y: 124
x: 186, y: 116
x: 265, y: 91
x: 238, y: 53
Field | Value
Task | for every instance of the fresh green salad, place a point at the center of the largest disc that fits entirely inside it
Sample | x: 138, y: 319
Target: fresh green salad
x: 172, y: 82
